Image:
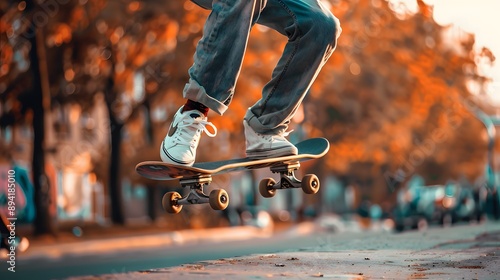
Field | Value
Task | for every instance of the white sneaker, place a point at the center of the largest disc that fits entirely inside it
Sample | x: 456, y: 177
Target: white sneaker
x: 263, y: 146
x: 179, y: 146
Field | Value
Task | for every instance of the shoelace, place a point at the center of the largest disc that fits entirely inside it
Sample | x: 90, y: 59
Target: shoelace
x: 195, y: 126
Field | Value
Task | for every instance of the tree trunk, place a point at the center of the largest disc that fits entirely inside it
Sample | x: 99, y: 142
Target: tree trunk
x: 151, y: 202
x: 152, y: 190
x: 115, y: 127
x: 148, y: 123
x: 115, y: 191
x: 44, y: 222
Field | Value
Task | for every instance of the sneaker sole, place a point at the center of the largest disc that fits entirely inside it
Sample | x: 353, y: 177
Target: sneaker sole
x: 279, y: 152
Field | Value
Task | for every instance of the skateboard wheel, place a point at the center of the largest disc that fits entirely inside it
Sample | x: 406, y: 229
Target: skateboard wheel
x: 266, y: 187
x: 169, y: 202
x: 310, y: 184
x: 218, y: 199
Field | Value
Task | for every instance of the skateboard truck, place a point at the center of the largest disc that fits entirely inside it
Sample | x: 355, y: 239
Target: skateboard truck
x: 309, y: 183
x: 218, y: 199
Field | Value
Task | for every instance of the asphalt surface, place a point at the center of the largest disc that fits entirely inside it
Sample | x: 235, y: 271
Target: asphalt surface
x: 326, y: 249
x: 459, y: 252
x: 133, y: 253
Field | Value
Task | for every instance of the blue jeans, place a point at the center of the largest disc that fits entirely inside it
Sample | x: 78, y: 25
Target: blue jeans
x: 312, y: 33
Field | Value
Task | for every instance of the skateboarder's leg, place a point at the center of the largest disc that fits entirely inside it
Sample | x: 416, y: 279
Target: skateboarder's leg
x: 212, y: 78
x: 217, y: 63
x: 219, y: 53
x: 312, y: 31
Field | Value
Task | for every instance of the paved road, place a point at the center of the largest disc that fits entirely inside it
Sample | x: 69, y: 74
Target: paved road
x: 305, y: 251
x: 80, y: 259
x: 460, y: 252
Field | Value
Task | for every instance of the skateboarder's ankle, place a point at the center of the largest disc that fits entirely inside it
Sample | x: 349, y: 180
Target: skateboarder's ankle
x: 193, y: 105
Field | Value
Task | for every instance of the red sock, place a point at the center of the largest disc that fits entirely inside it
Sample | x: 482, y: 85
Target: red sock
x: 193, y: 105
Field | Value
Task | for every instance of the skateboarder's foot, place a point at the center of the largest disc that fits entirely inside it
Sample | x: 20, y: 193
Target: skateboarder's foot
x: 264, y: 146
x: 179, y: 146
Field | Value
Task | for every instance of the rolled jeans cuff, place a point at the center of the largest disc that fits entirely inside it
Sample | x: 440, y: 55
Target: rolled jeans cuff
x: 258, y: 127
x: 196, y: 92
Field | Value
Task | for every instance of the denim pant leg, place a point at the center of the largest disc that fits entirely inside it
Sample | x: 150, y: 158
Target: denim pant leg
x: 219, y: 53
x: 312, y: 33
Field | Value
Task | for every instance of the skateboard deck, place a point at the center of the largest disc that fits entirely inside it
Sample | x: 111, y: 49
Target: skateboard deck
x: 199, y: 175
x: 158, y: 170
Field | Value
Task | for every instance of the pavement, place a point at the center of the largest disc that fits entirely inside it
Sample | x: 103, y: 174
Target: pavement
x: 343, y: 251
x: 142, y: 241
x: 458, y: 252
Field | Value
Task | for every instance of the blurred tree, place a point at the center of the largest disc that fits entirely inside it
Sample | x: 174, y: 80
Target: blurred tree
x: 25, y: 90
x: 391, y: 96
x: 40, y: 105
x: 122, y: 49
x: 125, y: 54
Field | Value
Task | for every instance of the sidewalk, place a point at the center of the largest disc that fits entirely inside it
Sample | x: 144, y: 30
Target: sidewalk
x: 459, y: 252
x: 127, y: 240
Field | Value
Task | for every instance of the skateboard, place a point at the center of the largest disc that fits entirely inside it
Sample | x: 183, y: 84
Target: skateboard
x: 199, y: 175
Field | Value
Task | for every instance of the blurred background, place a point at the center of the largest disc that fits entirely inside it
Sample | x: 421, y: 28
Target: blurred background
x: 409, y: 102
